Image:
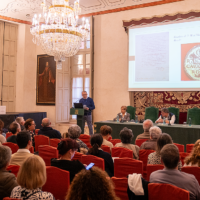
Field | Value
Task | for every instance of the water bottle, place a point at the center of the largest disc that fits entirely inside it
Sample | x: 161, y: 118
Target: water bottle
x: 190, y: 121
x: 117, y: 118
x: 136, y: 119
x: 164, y: 122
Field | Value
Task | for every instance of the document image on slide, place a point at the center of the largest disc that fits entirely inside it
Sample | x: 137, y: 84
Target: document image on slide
x: 190, y: 62
x: 152, y: 57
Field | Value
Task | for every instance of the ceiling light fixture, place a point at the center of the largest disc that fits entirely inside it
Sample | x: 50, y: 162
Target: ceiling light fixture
x: 59, y: 34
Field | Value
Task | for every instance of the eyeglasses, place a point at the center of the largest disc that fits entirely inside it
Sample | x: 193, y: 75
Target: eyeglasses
x: 33, y: 124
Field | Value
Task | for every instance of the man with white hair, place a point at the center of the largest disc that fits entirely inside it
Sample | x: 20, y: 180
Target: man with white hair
x: 147, y: 124
x: 155, y: 132
x: 48, y: 131
x: 21, y: 122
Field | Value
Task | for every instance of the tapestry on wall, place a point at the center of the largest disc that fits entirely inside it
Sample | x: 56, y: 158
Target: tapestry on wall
x: 46, y: 79
x: 181, y: 100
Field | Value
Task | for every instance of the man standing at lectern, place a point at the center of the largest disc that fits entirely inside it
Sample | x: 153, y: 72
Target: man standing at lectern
x: 88, y: 105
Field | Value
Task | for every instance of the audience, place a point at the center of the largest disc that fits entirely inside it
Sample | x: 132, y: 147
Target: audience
x: 106, y: 133
x: 91, y: 184
x: 31, y: 177
x: 30, y: 127
x: 24, y: 143
x: 48, y: 131
x: 171, y: 175
x: 155, y: 158
x: 21, y: 122
x: 74, y: 132
x: 2, y: 139
x: 147, y: 124
x: 14, y: 128
x: 7, y: 180
x: 126, y: 136
x: 154, y: 135
x: 96, y: 141
x: 67, y: 148
x: 1, y: 128
x: 194, y: 158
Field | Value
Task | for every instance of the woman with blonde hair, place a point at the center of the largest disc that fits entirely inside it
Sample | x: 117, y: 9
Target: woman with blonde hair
x: 92, y: 184
x: 123, y: 116
x: 194, y: 158
x: 31, y: 177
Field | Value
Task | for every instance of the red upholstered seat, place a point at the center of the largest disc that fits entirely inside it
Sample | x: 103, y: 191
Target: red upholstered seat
x: 86, y: 139
x: 105, y: 148
x: 8, y: 134
x: 189, y: 147
x: 36, y: 131
x: 139, y: 142
x: 77, y: 156
x: 121, y: 185
x: 13, y: 168
x: 180, y: 147
x: 125, y: 166
x: 143, y: 156
x: 115, y: 141
x: 41, y: 140
x: 157, y: 191
x: 54, y: 142
x: 183, y: 155
x: 87, y: 159
x: 153, y: 168
x: 31, y: 149
x: 110, y: 138
x: 58, y: 182
x: 122, y: 152
x: 192, y: 170
x: 47, y: 153
x: 14, y: 147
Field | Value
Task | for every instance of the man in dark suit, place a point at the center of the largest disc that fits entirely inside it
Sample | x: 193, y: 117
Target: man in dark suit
x: 171, y: 175
x: 48, y: 131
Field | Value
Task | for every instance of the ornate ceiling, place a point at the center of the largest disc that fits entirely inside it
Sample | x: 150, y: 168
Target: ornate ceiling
x: 25, y: 9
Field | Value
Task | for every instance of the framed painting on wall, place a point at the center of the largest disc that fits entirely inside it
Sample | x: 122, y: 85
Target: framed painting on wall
x: 46, y: 80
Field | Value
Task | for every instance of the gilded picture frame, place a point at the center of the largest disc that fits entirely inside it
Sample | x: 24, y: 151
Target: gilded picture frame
x: 46, y: 80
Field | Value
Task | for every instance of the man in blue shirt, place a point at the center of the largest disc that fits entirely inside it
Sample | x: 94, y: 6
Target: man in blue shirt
x: 88, y: 105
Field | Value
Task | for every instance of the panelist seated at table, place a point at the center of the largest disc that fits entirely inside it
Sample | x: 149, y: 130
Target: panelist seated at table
x: 123, y: 116
x: 169, y: 117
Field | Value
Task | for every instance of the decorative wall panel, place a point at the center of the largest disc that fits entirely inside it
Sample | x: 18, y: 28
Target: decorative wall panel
x: 181, y: 100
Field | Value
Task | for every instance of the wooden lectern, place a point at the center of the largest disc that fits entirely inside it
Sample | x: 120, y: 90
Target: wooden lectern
x: 79, y: 112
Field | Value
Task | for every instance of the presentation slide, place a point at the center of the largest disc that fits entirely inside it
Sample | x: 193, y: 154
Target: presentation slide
x: 165, y: 57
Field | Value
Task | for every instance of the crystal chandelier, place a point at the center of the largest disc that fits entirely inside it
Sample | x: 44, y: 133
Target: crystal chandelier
x: 57, y: 30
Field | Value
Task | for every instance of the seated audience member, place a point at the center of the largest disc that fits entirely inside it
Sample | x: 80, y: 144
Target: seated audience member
x: 31, y: 177
x: 20, y: 121
x: 30, y: 127
x: 126, y: 136
x: 194, y: 158
x: 7, y: 179
x: 169, y: 117
x: 74, y: 132
x: 155, y: 158
x: 123, y: 116
x: 48, y: 131
x: 14, y: 128
x: 92, y: 184
x: 1, y: 128
x: 67, y: 148
x: 147, y: 124
x: 96, y: 141
x: 106, y: 133
x: 171, y: 175
x: 2, y: 136
x: 24, y: 143
x: 154, y: 135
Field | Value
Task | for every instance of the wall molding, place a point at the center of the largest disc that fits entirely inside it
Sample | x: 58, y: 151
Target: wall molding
x: 15, y: 20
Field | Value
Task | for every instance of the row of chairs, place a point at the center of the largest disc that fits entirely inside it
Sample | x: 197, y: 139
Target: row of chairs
x: 60, y: 178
